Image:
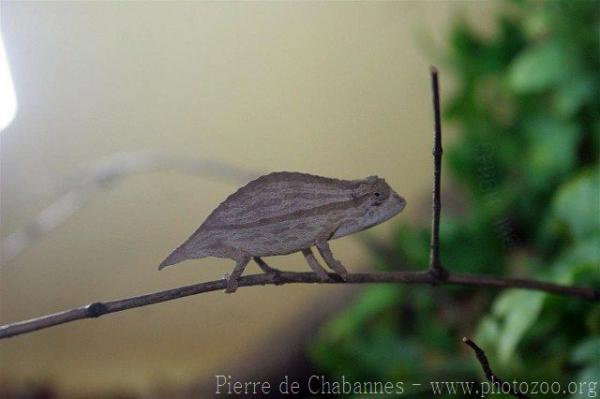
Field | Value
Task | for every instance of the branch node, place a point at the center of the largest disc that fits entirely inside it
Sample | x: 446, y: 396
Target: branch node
x: 438, y: 273
x: 276, y: 277
x: 437, y: 152
x: 96, y: 309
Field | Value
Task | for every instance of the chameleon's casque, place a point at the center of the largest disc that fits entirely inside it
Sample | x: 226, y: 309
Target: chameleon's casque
x: 286, y: 212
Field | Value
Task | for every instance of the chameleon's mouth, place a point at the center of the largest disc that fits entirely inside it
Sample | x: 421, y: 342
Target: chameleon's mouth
x: 401, y: 201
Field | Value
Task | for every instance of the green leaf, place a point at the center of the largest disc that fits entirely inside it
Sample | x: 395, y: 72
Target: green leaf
x: 571, y: 95
x: 551, y: 150
x: 581, y: 259
x: 519, y: 311
x: 537, y: 24
x: 577, y: 204
x: 587, y: 352
x: 540, y: 67
x: 374, y: 300
x: 488, y: 331
x: 461, y: 245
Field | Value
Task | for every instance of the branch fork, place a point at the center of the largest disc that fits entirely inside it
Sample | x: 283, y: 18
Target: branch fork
x: 436, y: 274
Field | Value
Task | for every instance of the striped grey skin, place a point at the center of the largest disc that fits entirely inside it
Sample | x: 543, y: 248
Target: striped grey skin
x: 285, y: 212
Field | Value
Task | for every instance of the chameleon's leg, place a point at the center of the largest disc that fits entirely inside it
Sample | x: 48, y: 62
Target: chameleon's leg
x: 275, y: 273
x: 336, y: 265
x: 264, y: 267
x: 232, y: 281
x: 314, y: 264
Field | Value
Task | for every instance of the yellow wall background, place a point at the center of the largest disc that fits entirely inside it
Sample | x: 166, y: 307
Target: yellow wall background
x: 337, y: 89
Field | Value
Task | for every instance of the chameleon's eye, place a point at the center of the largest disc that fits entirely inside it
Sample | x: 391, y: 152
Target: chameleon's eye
x: 376, y: 194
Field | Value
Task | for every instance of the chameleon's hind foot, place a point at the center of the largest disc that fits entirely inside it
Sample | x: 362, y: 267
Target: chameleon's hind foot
x: 232, y: 285
x: 265, y: 267
x: 273, y: 272
x: 233, y: 279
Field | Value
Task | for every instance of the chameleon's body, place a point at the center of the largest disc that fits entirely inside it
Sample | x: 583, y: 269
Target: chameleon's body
x: 285, y: 212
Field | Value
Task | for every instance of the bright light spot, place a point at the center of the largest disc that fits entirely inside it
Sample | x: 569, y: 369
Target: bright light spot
x: 8, y: 99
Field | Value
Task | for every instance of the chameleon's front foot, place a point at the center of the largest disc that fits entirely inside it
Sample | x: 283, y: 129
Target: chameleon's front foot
x: 341, y: 271
x: 333, y: 263
x: 314, y: 265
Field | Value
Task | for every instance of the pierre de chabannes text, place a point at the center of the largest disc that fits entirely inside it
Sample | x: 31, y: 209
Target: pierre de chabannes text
x: 321, y: 385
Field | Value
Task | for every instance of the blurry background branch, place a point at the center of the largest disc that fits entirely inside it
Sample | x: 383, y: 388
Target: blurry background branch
x: 82, y: 186
x: 436, y: 275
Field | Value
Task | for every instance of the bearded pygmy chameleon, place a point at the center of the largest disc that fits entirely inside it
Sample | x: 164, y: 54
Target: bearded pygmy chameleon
x: 285, y: 212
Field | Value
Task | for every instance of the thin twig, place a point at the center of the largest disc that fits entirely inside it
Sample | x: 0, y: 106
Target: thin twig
x: 418, y: 278
x: 436, y: 275
x: 435, y: 264
x: 81, y: 187
x: 499, y: 384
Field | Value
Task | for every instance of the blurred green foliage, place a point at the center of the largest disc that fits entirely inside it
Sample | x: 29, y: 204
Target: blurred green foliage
x: 526, y: 159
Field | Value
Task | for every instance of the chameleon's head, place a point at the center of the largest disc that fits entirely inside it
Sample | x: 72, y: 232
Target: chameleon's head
x: 377, y: 203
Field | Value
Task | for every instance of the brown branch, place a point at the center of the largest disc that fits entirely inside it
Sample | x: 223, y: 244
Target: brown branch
x: 489, y: 374
x: 98, y: 309
x: 436, y: 275
x: 435, y: 264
